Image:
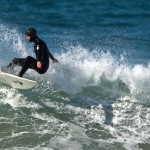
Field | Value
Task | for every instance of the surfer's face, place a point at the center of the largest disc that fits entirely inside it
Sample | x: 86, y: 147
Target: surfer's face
x: 28, y: 37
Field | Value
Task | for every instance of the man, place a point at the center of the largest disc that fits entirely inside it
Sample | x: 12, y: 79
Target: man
x: 41, y: 63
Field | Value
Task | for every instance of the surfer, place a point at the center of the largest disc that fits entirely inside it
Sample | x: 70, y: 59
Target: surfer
x: 41, y: 63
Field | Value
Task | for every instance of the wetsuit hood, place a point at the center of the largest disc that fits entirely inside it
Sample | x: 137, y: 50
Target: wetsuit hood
x: 32, y: 33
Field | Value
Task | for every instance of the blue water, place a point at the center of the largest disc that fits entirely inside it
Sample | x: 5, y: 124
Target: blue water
x: 97, y: 97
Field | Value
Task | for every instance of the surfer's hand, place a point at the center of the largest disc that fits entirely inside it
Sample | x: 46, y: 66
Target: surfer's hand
x: 39, y: 64
x: 55, y: 61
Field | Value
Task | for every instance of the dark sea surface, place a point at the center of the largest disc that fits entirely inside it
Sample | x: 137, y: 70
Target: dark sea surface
x: 98, y: 96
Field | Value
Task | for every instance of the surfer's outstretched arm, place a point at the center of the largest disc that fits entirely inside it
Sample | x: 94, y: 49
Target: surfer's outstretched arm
x: 54, y: 60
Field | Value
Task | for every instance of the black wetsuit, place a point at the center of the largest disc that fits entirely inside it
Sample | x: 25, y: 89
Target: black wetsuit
x: 42, y: 55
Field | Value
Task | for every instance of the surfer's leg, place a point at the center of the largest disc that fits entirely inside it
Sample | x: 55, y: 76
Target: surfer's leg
x: 16, y: 61
x: 29, y: 62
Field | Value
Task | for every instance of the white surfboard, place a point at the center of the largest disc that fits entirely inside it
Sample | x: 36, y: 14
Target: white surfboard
x: 18, y: 82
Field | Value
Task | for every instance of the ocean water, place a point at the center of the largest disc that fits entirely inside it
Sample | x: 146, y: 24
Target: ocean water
x: 98, y: 96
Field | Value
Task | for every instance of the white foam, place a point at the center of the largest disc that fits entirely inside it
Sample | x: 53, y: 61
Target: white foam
x: 80, y: 67
x: 16, y: 99
x: 12, y: 43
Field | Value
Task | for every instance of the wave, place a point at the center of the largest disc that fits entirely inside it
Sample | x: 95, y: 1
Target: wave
x: 80, y: 68
x: 95, y: 72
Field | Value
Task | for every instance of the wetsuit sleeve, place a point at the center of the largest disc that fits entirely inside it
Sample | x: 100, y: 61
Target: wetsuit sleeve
x: 51, y: 56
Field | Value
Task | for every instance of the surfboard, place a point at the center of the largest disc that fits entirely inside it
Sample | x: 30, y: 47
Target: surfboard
x: 18, y: 82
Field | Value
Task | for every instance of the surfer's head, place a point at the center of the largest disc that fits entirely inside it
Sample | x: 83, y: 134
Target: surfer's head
x: 31, y: 34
